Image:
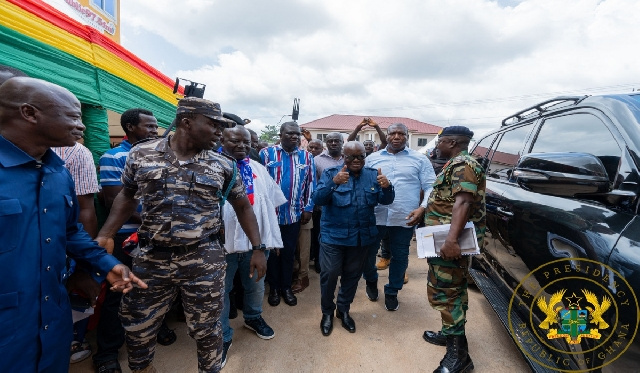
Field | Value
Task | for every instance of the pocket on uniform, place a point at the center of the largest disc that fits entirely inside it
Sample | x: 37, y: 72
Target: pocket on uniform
x: 9, y: 209
x: 341, y: 197
x: 371, y: 196
x: 204, y: 188
x: 150, y: 180
x: 8, y: 317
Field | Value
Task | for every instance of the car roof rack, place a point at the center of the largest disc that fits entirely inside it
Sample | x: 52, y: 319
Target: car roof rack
x: 540, y: 107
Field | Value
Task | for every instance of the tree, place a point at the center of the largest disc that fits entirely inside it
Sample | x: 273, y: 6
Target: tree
x: 270, y: 134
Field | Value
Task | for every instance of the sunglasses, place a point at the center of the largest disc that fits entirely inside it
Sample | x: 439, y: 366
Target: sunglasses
x: 350, y: 158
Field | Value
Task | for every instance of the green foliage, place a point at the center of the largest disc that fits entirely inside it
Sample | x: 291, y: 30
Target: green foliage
x: 270, y: 134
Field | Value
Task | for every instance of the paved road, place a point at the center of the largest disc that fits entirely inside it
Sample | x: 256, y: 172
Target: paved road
x: 384, y: 342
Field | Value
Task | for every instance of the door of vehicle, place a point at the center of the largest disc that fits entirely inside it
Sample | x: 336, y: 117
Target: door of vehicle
x: 544, y: 228
x: 503, y: 156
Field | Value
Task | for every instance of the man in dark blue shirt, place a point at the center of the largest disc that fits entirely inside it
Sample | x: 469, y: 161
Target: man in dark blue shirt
x: 347, y: 195
x: 39, y: 220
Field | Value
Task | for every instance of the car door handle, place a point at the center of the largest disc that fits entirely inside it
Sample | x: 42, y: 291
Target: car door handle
x: 504, y: 212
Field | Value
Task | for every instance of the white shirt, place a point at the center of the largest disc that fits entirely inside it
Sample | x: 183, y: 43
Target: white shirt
x: 267, y: 195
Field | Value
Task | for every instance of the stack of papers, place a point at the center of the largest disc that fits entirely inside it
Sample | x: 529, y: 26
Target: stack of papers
x: 430, y: 239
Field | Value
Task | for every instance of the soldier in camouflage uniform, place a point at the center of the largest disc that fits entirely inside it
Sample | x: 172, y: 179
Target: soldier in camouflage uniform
x: 458, y: 196
x: 180, y: 182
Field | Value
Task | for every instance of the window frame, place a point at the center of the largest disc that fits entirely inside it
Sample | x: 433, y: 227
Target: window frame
x: 102, y: 10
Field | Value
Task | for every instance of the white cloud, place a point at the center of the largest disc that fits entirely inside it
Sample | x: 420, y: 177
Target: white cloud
x: 412, y: 58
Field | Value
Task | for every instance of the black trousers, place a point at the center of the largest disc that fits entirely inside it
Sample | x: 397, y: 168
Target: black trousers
x: 280, y: 267
x: 346, y: 263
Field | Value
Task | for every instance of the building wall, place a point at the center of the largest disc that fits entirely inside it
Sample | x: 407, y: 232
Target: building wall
x: 103, y: 15
x: 414, y: 138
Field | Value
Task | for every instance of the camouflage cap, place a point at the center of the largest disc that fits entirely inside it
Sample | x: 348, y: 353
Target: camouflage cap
x: 207, y: 108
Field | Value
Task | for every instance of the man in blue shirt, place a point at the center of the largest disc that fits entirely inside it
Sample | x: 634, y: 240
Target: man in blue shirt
x: 39, y: 219
x: 410, y: 172
x: 294, y: 171
x: 138, y: 124
x: 348, y: 195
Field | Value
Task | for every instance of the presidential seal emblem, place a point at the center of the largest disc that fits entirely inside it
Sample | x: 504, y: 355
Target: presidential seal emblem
x: 573, y: 322
x: 582, y: 315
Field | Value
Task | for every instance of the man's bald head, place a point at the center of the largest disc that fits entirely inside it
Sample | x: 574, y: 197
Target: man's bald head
x: 8, y: 72
x: 352, y: 145
x: 237, y: 130
x: 315, y: 147
x: 236, y: 142
x: 36, y: 92
x: 36, y: 115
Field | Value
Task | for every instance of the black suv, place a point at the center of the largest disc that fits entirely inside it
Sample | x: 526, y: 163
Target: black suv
x: 562, y: 246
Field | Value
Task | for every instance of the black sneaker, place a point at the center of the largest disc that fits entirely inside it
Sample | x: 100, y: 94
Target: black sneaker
x: 372, y: 290
x: 261, y: 328
x: 225, y: 349
x: 391, y: 302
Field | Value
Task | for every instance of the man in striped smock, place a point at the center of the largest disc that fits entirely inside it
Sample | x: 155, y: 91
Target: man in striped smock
x: 294, y: 170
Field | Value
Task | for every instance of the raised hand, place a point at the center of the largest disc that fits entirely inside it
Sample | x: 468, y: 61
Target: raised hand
x: 306, y: 134
x: 382, y: 180
x: 341, y: 177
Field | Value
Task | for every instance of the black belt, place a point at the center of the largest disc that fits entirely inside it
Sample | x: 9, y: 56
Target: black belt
x: 177, y: 249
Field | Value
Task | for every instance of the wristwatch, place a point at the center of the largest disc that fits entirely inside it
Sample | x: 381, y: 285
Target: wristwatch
x: 262, y: 247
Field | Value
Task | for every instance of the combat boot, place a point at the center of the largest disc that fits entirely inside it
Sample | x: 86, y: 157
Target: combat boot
x: 457, y: 359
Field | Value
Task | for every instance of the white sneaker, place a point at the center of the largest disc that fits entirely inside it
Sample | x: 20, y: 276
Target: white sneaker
x: 79, y: 351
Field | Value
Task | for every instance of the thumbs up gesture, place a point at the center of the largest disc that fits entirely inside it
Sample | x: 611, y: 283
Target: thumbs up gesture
x: 341, y: 177
x: 382, y: 180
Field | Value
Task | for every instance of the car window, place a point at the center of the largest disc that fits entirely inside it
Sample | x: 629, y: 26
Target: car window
x: 481, y: 151
x: 507, y: 153
x: 580, y: 133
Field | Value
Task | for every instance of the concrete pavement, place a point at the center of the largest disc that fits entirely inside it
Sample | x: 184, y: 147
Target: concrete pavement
x: 384, y: 341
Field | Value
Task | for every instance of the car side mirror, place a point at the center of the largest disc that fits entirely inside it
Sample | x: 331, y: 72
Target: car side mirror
x: 562, y: 174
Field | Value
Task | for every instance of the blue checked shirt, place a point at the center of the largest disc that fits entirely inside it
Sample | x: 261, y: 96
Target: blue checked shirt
x: 409, y: 172
x: 295, y: 173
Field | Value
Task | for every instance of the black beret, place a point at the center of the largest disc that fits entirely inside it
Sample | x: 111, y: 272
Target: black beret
x: 234, y: 118
x: 456, y: 131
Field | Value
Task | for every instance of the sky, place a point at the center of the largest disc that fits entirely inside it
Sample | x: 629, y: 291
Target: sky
x: 443, y: 62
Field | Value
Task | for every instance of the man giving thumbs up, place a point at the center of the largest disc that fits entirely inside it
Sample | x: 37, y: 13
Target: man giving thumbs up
x: 348, y: 195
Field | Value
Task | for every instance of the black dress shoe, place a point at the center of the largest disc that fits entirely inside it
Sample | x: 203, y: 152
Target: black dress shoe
x: 347, y: 321
x: 435, y: 338
x: 326, y: 325
x: 288, y: 297
x: 274, y: 297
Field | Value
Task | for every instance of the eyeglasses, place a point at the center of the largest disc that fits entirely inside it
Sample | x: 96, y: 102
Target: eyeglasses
x: 350, y: 158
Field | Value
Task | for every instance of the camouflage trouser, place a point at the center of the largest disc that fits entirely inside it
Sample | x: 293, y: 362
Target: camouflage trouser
x: 199, y: 276
x: 447, y: 290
